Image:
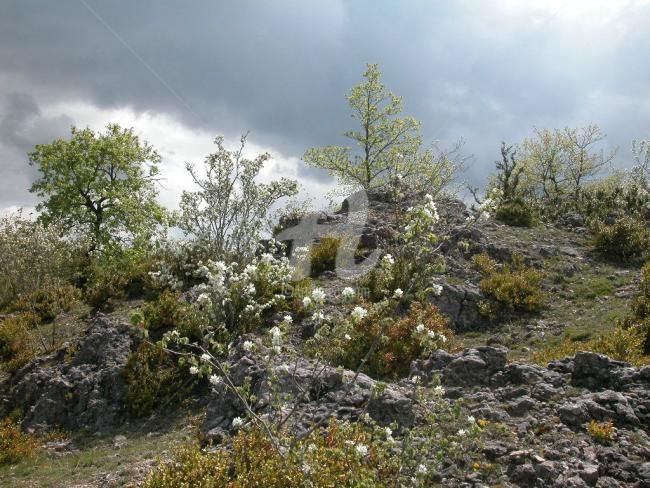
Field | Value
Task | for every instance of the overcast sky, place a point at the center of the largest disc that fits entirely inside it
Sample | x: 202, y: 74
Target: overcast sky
x: 184, y: 72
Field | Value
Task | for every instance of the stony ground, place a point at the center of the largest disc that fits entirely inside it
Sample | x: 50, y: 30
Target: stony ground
x: 542, y: 409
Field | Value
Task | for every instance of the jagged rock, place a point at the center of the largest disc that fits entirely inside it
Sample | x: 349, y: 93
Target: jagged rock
x: 318, y: 393
x: 594, y: 371
x: 598, y: 406
x: 85, y: 393
x: 460, y: 303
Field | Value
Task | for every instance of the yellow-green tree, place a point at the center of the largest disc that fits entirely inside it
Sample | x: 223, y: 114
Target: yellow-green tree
x: 386, y: 146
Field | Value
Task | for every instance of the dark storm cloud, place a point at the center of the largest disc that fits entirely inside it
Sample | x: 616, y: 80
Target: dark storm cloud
x: 281, y: 69
x: 22, y: 125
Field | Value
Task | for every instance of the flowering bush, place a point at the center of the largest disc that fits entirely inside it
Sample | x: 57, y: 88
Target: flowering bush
x: 414, y: 261
x: 383, y: 345
x: 236, y: 298
x: 31, y: 255
x: 230, y: 208
x: 339, y: 455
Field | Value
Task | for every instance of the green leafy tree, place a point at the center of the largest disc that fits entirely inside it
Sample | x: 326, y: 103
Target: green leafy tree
x: 386, y: 146
x: 101, y: 185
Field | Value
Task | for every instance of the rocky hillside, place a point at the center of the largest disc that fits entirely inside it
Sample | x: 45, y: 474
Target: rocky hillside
x: 525, y: 414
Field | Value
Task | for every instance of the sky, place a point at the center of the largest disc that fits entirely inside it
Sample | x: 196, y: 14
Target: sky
x: 183, y: 73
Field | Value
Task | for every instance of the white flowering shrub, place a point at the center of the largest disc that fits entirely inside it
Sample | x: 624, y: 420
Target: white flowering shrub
x: 414, y: 260
x: 30, y: 256
x: 374, y: 336
x: 230, y: 208
x: 236, y: 298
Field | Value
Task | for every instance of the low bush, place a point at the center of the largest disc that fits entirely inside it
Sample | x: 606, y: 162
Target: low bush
x: 340, y: 455
x: 120, y: 276
x: 170, y: 311
x: 17, y: 345
x: 152, y: 378
x: 515, y: 213
x: 601, y: 431
x: 15, y: 445
x: 511, y: 287
x: 387, y: 345
x: 621, y: 344
x: 639, y: 318
x: 48, y: 301
x: 323, y: 255
x: 627, y: 238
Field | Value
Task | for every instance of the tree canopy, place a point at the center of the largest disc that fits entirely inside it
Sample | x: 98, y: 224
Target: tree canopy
x: 101, y: 185
x: 386, y: 146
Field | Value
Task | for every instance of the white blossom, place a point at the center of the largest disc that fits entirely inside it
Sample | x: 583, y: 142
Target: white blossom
x: 318, y: 295
x: 288, y: 319
x: 398, y: 293
x: 439, y: 390
x: 347, y: 337
x: 361, y: 449
x: 248, y: 346
x: 422, y: 469
x: 205, y: 357
x: 276, y: 336
x: 347, y: 292
x: 420, y: 328
x: 306, y: 302
x: 215, y: 380
x: 237, y: 422
x: 388, y: 259
x: 471, y: 419
x: 461, y: 432
x: 194, y: 370
x: 359, y: 313
x: 437, y: 289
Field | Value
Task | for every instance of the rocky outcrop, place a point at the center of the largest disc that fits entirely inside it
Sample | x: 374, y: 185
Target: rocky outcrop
x: 318, y: 393
x: 76, y: 390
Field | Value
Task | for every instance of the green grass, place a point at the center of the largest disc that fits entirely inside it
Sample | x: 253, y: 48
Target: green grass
x: 93, y: 458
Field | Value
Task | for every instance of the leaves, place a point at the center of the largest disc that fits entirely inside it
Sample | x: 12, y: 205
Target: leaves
x: 99, y: 185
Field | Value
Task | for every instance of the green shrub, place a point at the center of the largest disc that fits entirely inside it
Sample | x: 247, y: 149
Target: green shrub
x: 16, y: 343
x: 639, y: 318
x: 15, y: 445
x: 117, y: 277
x: 394, y: 343
x: 152, y: 378
x: 512, y: 287
x: 48, y: 301
x: 327, y: 457
x: 323, y: 255
x: 602, y: 431
x: 627, y: 238
x: 167, y: 312
x: 621, y: 344
x: 515, y: 213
